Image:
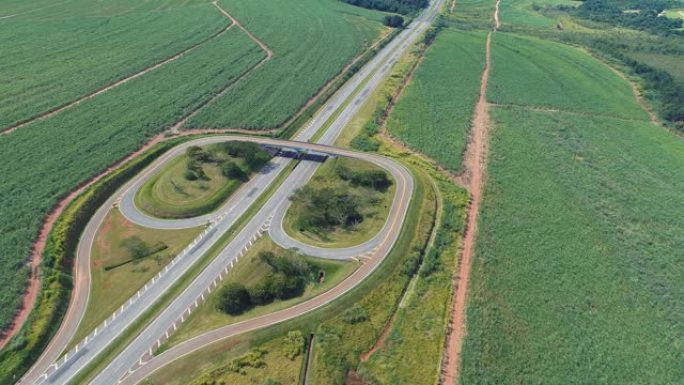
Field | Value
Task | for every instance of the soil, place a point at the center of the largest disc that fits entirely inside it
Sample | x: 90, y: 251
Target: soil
x: 475, y: 162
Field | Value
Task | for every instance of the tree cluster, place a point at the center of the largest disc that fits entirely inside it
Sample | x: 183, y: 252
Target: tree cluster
x: 287, y: 279
x: 404, y: 7
x: 327, y: 208
x: 375, y: 179
x: 252, y: 153
x: 255, y: 158
x: 642, y: 15
x: 394, y: 21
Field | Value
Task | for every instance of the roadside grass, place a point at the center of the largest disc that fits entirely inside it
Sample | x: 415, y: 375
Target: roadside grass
x: 532, y: 72
x: 274, y: 365
x: 76, y: 47
x: 168, y: 194
x: 185, y: 369
x: 111, y: 288
x: 56, y: 155
x: 248, y: 271
x: 412, y: 352
x: 322, y: 37
x: 434, y: 112
x: 577, y: 272
x: 374, y: 206
x: 138, y: 326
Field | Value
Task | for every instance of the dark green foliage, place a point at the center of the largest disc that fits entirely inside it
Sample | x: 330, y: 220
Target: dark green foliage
x: 198, y: 154
x: 645, y: 16
x: 254, y: 359
x: 450, y: 226
x: 190, y: 175
x: 375, y: 179
x: 327, y: 208
x: 251, y: 152
x: 234, y: 299
x: 394, y: 21
x: 231, y: 170
x: 399, y: 6
x: 287, y: 279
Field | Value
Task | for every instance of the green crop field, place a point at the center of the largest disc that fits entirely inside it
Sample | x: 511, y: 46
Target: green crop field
x: 522, y: 12
x: 577, y: 275
x: 72, y: 48
x: 434, y: 112
x: 311, y: 40
x: 43, y: 161
x: 529, y: 71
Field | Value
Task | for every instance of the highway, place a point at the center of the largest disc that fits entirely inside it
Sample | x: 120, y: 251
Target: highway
x: 345, y: 103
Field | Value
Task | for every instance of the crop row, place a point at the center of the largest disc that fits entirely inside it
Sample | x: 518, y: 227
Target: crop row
x: 44, y: 161
x: 77, y: 47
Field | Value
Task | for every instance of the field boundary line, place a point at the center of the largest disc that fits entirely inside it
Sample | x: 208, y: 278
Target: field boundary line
x: 57, y: 110
x: 475, y: 165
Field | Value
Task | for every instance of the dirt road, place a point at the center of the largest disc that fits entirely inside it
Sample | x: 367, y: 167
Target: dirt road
x: 475, y: 163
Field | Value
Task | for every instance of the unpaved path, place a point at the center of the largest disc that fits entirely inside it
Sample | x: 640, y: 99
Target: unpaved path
x: 475, y: 174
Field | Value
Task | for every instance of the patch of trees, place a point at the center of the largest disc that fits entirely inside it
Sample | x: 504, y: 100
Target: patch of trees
x: 394, y: 21
x: 254, y: 156
x: 642, y: 15
x: 404, y: 7
x: 366, y: 140
x: 137, y: 249
x: 327, y: 208
x: 375, y: 179
x: 288, y: 277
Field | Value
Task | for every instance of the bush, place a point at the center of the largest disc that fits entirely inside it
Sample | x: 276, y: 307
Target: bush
x: 394, y: 21
x: 232, y: 171
x: 355, y: 314
x: 375, y: 179
x: 234, y: 299
x: 293, y: 344
x: 190, y: 175
x: 254, y: 359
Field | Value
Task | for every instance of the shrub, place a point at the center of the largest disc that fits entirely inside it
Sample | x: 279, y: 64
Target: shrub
x: 394, y: 21
x: 234, y: 299
x: 293, y: 344
x: 232, y: 171
x: 355, y: 314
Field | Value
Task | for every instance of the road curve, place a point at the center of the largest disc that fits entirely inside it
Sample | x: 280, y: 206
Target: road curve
x: 368, y: 77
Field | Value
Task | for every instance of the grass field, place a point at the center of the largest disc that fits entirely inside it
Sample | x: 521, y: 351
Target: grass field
x: 43, y: 161
x: 524, y: 12
x: 532, y: 72
x: 420, y: 322
x: 168, y: 194
x: 434, y: 112
x: 374, y: 207
x: 111, y: 287
x: 312, y: 40
x: 577, y: 276
x: 71, y: 48
x: 248, y: 271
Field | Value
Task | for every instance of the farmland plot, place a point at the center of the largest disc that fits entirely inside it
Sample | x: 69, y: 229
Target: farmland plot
x: 58, y: 53
x: 45, y: 160
x: 312, y: 40
x: 434, y: 112
x: 577, y: 275
x: 528, y: 71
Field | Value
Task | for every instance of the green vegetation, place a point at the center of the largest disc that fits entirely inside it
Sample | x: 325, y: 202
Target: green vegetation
x: 397, y: 6
x: 346, y: 203
x: 201, y: 180
x: 532, y: 72
x: 288, y: 276
x: 434, y: 112
x: 42, y: 162
x: 322, y: 37
x: 122, y: 261
x: 79, y: 46
x: 577, y: 258
x: 419, y: 326
x: 58, y: 255
x: 635, y: 14
x: 252, y: 272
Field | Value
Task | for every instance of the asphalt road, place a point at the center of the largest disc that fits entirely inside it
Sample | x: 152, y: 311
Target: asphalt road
x: 86, y: 352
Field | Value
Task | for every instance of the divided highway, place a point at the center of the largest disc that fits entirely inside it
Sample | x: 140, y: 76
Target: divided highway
x: 330, y: 120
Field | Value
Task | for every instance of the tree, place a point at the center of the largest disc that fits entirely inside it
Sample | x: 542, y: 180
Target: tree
x: 394, y: 21
x: 231, y: 170
x: 136, y: 247
x: 293, y: 344
x: 234, y: 299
